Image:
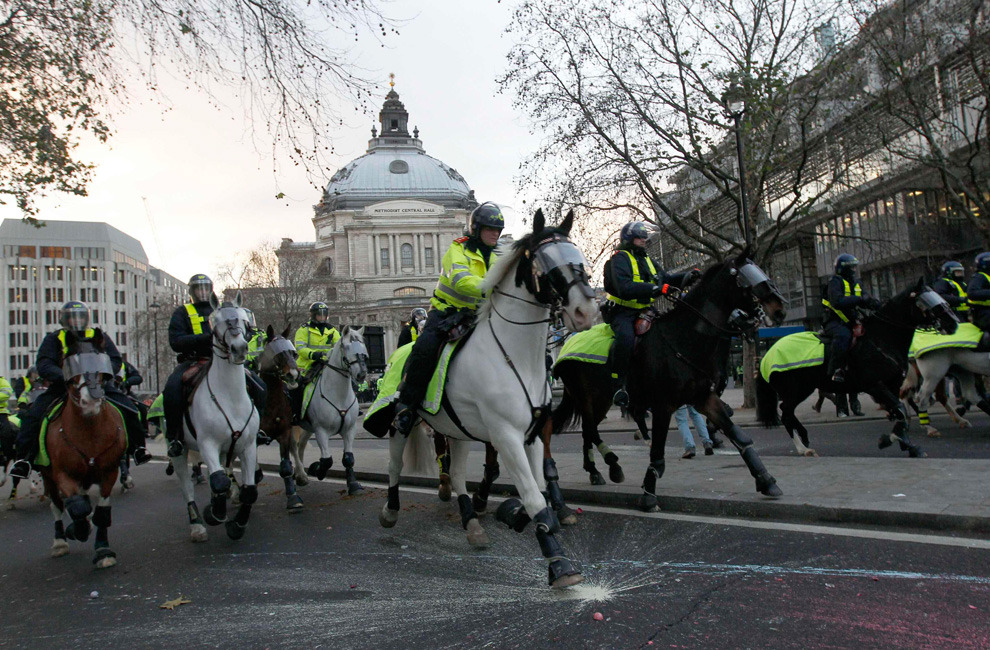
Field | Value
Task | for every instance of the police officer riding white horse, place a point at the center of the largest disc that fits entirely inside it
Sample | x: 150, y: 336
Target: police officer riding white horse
x: 74, y: 318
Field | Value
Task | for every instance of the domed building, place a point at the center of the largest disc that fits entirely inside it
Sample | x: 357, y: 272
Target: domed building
x: 382, y: 227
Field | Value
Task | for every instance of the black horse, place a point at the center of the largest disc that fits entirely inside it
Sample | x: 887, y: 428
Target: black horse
x: 679, y: 361
x: 877, y: 366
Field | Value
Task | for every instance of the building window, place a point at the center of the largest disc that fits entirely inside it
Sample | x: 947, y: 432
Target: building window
x: 384, y: 258
x: 56, y: 252
x: 408, y: 291
x: 428, y: 254
x: 407, y: 255
x: 13, y: 362
x: 13, y: 340
x: 326, y: 266
x: 331, y: 293
x: 26, y: 251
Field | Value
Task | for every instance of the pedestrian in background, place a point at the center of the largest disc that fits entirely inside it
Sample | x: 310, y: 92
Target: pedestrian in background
x: 681, y: 416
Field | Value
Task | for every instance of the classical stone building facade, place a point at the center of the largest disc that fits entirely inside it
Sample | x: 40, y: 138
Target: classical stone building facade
x: 382, y: 226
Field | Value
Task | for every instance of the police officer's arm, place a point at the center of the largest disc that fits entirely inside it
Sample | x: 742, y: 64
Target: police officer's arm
x: 622, y: 280
x: 837, y: 297
x: 459, y: 267
x: 180, y: 337
x: 115, y: 359
x: 979, y: 288
x: 302, y: 344
x: 49, y: 363
x: 948, y: 293
x: 134, y: 377
x: 6, y: 390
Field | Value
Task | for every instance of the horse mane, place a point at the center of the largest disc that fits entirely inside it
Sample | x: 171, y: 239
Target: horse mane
x: 697, y: 291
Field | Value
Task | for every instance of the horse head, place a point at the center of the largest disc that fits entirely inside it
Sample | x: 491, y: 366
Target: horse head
x: 85, y: 369
x: 922, y: 307
x: 229, y: 324
x: 279, y: 357
x: 353, y: 352
x: 553, y: 269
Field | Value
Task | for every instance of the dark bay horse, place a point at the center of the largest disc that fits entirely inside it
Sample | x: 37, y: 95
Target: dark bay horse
x: 85, y: 442
x: 877, y: 366
x: 277, y: 367
x: 679, y: 361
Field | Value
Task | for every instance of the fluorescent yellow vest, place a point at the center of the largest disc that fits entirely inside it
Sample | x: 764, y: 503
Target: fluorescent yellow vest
x: 981, y: 303
x: 637, y: 277
x: 194, y: 318
x: 310, y: 340
x: 459, y: 284
x: 848, y: 292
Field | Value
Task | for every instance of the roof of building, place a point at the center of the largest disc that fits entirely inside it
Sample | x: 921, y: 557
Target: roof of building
x: 74, y: 233
x: 396, y: 167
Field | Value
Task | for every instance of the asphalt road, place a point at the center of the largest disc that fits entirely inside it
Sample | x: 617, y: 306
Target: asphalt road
x: 331, y: 577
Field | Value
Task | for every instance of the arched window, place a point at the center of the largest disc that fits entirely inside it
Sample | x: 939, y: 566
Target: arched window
x: 326, y: 266
x: 331, y: 293
x: 409, y: 291
x: 407, y: 255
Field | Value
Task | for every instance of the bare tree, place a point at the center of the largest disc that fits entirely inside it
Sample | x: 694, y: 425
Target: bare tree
x: 277, y: 288
x: 634, y: 100
x: 65, y: 63
x: 923, y: 75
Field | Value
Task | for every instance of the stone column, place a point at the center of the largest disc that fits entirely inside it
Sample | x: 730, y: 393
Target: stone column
x: 395, y: 254
x: 376, y: 256
x: 419, y: 254
x: 371, y: 253
x: 437, y: 253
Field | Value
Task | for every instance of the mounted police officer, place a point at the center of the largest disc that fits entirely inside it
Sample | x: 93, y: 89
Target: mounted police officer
x: 191, y: 337
x: 951, y: 285
x: 632, y: 281
x: 843, y: 299
x: 314, y: 340
x: 74, y: 318
x: 978, y: 296
x: 256, y: 341
x: 410, y: 332
x: 455, y: 299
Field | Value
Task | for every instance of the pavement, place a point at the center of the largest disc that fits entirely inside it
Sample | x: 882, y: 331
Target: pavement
x: 890, y: 490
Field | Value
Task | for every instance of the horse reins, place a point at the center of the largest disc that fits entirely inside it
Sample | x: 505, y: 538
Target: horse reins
x: 235, y: 435
x: 343, y: 372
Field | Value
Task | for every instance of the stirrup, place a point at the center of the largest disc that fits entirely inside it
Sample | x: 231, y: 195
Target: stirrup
x: 405, y: 418
x: 141, y: 456
x: 175, y: 449
x: 20, y: 469
x: 621, y: 398
x: 839, y: 376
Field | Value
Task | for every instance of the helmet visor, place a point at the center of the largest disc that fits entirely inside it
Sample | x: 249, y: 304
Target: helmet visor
x: 201, y: 292
x: 76, y: 320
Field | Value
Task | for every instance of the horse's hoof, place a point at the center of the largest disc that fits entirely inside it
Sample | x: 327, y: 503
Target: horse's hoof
x: 197, y: 533
x: 354, y: 487
x: 884, y: 441
x: 129, y: 483
x: 476, y: 535
x: 964, y: 424
x: 105, y: 558
x: 597, y: 478
x: 210, y: 518
x: 934, y: 433
x: 443, y: 492
x: 259, y: 476
x: 60, y: 547
x: 768, y: 487
x: 78, y: 532
x: 480, y: 505
x: 810, y: 453
x: 388, y: 518
x: 566, y: 516
x: 301, y: 479
x: 10, y: 504
x: 649, y: 503
x: 294, y: 503
x: 615, y: 474
x: 563, y: 574
x: 916, y: 452
x: 235, y: 530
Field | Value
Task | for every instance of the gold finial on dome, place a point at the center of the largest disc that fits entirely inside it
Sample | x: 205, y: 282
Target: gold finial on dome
x: 391, y: 80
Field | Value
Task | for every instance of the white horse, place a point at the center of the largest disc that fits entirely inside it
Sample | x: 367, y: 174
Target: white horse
x: 965, y: 364
x: 225, y: 424
x: 497, y: 389
x: 333, y: 409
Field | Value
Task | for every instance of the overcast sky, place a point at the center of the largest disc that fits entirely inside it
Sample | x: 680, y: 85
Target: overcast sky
x: 210, y: 192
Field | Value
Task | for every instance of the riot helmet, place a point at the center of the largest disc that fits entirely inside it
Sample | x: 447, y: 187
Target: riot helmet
x: 319, y: 312
x: 486, y: 215
x: 633, y: 230
x: 200, y: 288
x: 74, y: 317
x: 983, y: 262
x: 846, y: 265
x: 953, y: 270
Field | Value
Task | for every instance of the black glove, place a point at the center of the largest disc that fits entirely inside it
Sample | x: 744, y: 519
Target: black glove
x: 319, y: 356
x: 691, y: 276
x: 872, y: 304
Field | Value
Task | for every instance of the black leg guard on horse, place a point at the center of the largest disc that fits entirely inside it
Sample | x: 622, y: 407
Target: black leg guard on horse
x: 393, y: 497
x: 513, y: 514
x: 101, y: 519
x: 319, y: 468
x: 480, y: 498
x: 193, y: 511
x: 353, y: 487
x: 467, y: 510
x: 589, y: 466
x: 79, y: 508
x: 293, y: 502
x: 236, y: 526
x: 648, y: 502
x: 765, y: 483
x: 615, y: 473
x: 560, y: 566
x: 564, y: 514
x: 216, y: 512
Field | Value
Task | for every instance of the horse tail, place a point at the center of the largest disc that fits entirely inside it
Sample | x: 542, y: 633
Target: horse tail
x: 766, y: 403
x: 419, y: 456
x: 565, y: 415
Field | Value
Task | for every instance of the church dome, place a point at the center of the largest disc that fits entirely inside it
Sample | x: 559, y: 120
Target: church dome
x: 396, y: 167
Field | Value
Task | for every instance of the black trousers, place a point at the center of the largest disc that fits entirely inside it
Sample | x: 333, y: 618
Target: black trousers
x: 981, y: 318
x: 174, y: 406
x: 423, y: 358
x: 136, y: 430
x: 841, y: 341
x: 623, y: 323
x: 27, y: 438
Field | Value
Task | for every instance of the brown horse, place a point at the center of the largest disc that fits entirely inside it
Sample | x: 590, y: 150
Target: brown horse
x: 85, y: 442
x: 277, y: 367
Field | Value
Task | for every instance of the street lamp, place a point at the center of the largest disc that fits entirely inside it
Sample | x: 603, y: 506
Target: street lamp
x: 153, y: 308
x: 737, y: 106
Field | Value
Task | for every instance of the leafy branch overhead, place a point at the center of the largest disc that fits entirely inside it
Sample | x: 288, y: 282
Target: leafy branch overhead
x: 66, y: 64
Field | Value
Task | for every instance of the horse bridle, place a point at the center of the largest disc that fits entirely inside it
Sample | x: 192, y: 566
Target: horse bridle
x: 232, y: 325
x: 345, y: 370
x: 276, y: 348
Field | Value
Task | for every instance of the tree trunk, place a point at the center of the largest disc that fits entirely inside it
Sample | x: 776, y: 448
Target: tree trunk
x: 749, y: 374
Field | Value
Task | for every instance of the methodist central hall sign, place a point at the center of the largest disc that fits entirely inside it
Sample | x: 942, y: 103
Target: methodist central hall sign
x: 403, y: 209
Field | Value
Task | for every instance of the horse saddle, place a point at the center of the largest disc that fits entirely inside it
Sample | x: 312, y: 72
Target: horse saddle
x: 644, y: 321
x: 193, y: 376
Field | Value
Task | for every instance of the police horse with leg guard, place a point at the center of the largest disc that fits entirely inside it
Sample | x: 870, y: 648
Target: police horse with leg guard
x: 679, y: 360
x: 333, y: 407
x: 221, y: 423
x: 277, y: 368
x: 497, y: 389
x: 877, y: 366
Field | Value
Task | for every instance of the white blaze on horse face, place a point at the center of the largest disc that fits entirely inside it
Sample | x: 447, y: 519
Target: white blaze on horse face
x: 89, y: 405
x: 581, y: 311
